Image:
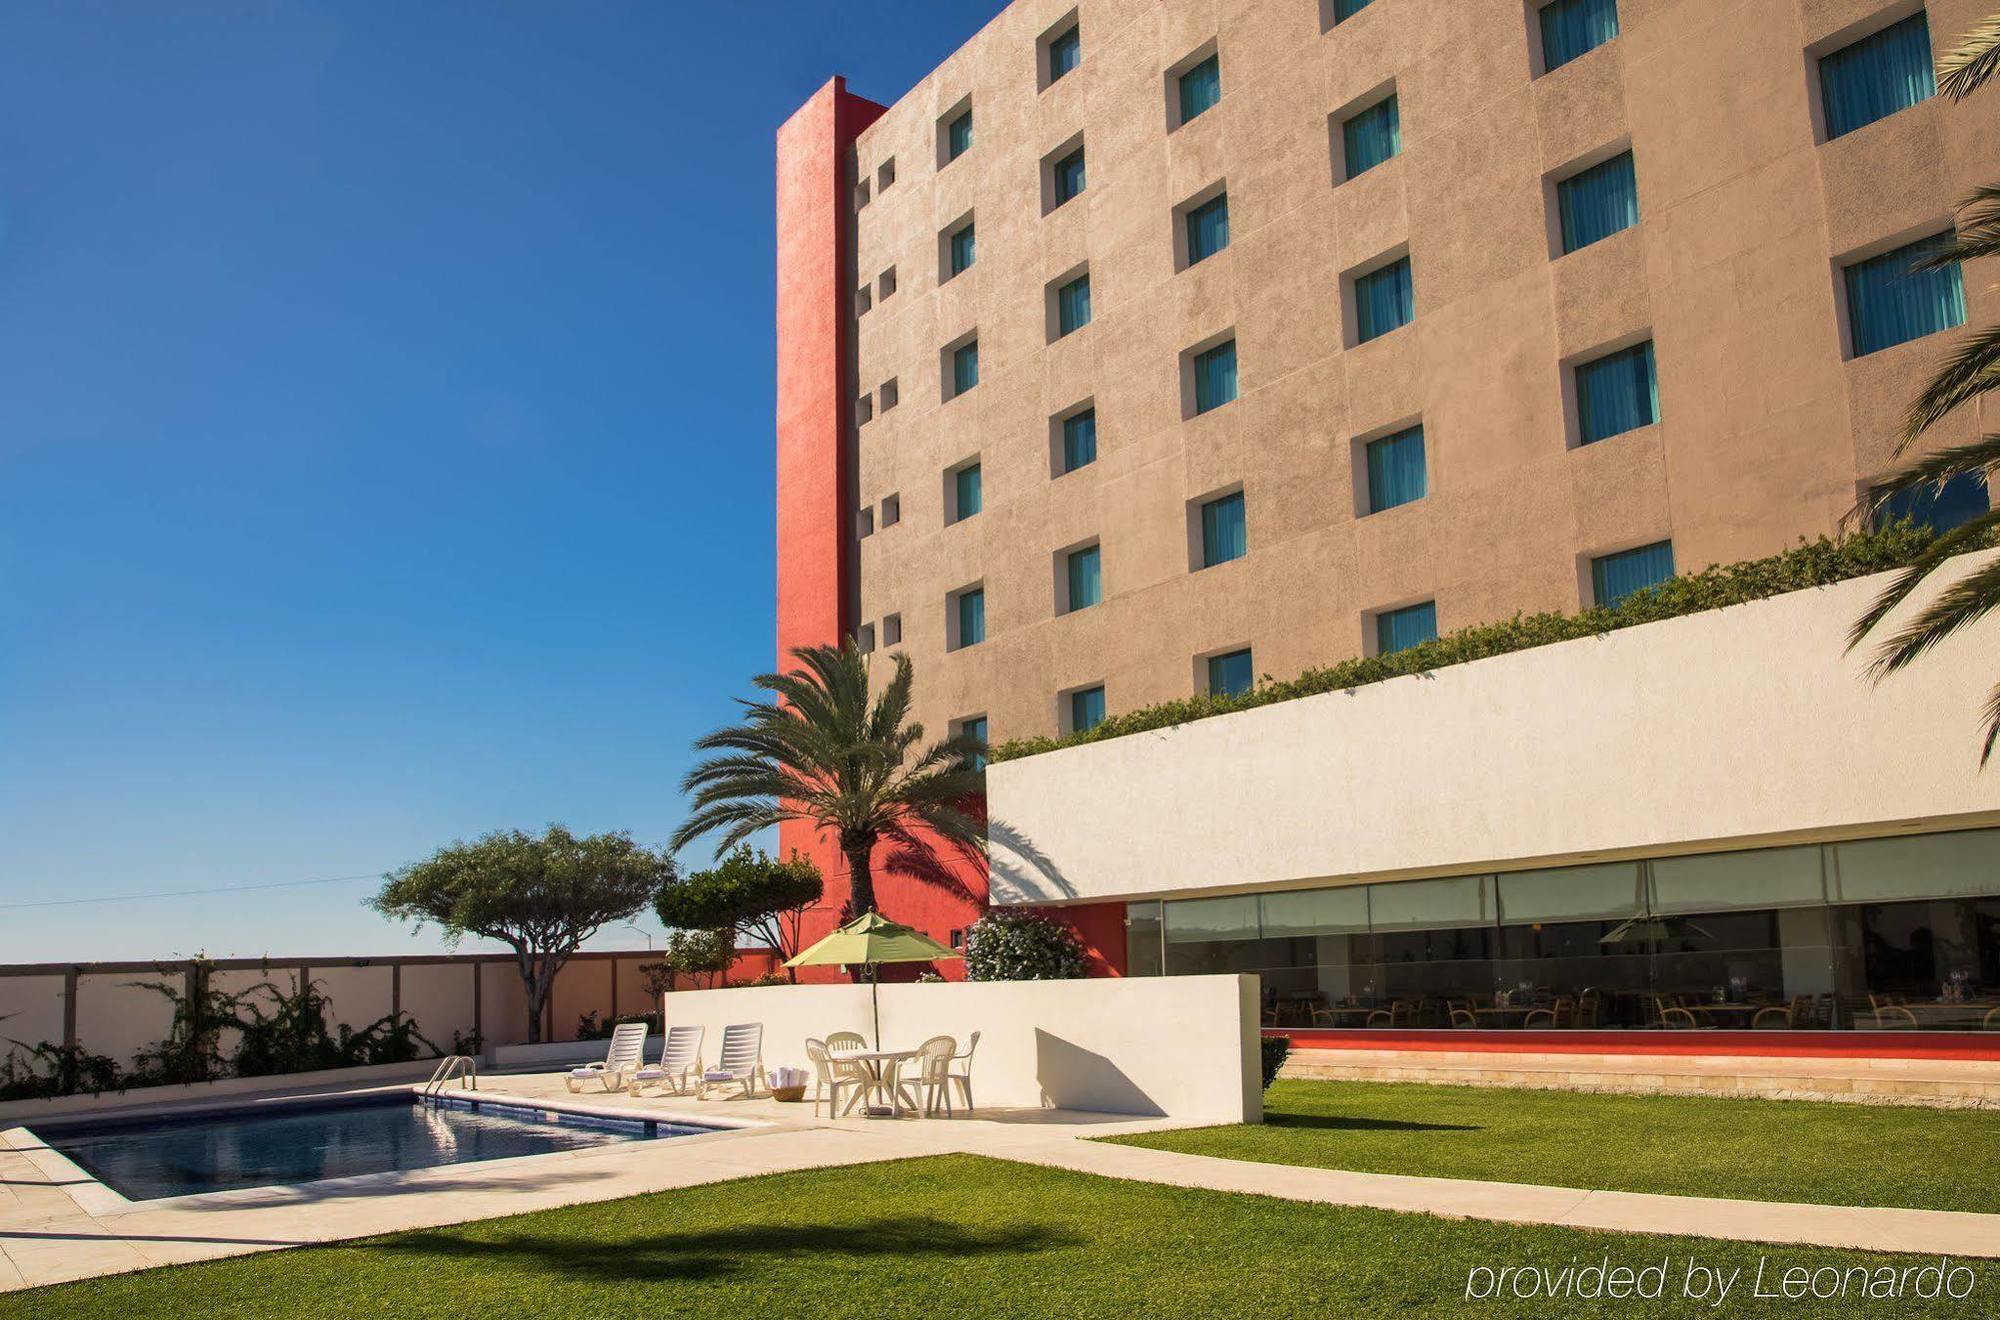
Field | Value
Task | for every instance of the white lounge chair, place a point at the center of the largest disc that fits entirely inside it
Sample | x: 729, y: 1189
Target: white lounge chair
x: 680, y: 1062
x: 742, y: 1061
x: 628, y: 1048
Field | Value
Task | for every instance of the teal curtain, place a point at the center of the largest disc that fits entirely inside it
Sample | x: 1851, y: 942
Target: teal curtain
x: 1215, y: 377
x: 1069, y: 176
x: 1201, y: 87
x: 971, y: 617
x: 964, y: 368
x: 1079, y: 435
x: 1614, y: 577
x: 1346, y: 9
x: 1073, y: 305
x: 1230, y: 675
x: 966, y: 491
x: 1890, y: 301
x: 1598, y: 202
x: 1575, y: 27
x: 1086, y: 578
x: 1877, y: 76
x: 958, y: 136
x: 1086, y: 709
x: 1396, y: 470
x: 1225, y: 532
x: 1617, y: 393
x: 1399, y: 630
x: 1208, y: 228
x: 1962, y: 498
x: 1372, y: 137
x: 962, y: 250
x: 1065, y: 52
x: 1384, y: 301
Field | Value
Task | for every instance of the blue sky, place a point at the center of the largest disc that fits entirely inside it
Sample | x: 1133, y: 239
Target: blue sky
x: 385, y: 435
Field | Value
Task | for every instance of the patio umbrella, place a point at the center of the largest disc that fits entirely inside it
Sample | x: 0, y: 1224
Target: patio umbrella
x: 871, y: 939
x: 1655, y: 930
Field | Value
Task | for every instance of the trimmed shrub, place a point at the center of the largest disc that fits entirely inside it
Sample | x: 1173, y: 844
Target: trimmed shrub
x: 1010, y: 944
x: 1809, y: 564
x: 1276, y: 1050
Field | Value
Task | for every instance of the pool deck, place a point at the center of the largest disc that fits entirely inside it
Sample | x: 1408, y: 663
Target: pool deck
x: 57, y: 1226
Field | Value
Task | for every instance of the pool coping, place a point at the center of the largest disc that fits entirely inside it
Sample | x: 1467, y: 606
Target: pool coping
x: 100, y: 1200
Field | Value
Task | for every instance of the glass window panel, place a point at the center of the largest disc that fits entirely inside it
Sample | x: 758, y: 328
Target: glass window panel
x: 1065, y: 52
x: 1215, y: 377
x: 1464, y: 900
x: 1598, y: 203
x: 1200, y: 88
x: 1073, y: 305
x: 1080, y: 440
x: 1890, y: 301
x: 1142, y: 939
x: 1230, y: 675
x: 1878, y: 75
x: 1316, y: 912
x: 1575, y: 27
x: 1617, y: 393
x: 1346, y: 9
x: 1208, y: 228
x: 1371, y: 137
x: 1086, y: 709
x: 1725, y: 882
x: 958, y: 137
x: 1225, y: 533
x: 1198, y: 920
x: 962, y: 250
x: 1069, y: 176
x: 1961, y: 499
x: 1964, y: 864
x: 1086, y: 577
x: 1607, y: 892
x: 1399, y: 630
x: 1384, y: 300
x: 971, y: 618
x: 1614, y: 577
x: 966, y: 492
x: 1396, y: 472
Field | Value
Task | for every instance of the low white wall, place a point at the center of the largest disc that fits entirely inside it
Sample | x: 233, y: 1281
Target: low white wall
x: 1184, y: 1047
x: 230, y: 1088
x: 1735, y: 727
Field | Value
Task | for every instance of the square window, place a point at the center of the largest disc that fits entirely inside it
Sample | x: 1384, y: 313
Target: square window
x: 1084, y: 576
x: 1086, y: 709
x: 1371, y: 137
x: 892, y: 629
x: 968, y: 618
x: 1214, y: 377
x: 965, y: 492
x: 1399, y: 630
x: 1615, y: 577
x: 888, y: 393
x: 1346, y: 9
x: 960, y: 250
x: 973, y: 727
x: 1571, y: 28
x: 1384, y: 300
x: 887, y: 283
x: 864, y: 523
x: 863, y: 300
x: 964, y: 367
x: 1225, y: 532
x: 864, y: 409
x: 864, y: 638
x: 1892, y: 299
x: 886, y: 175
x: 1878, y: 75
x: 1200, y: 88
x: 1617, y: 393
x: 1960, y: 500
x: 1065, y: 51
x: 1079, y: 440
x: 861, y: 194
x: 1230, y: 675
x: 1073, y: 306
x: 892, y: 510
x: 1396, y: 473
x: 958, y: 135
x: 1598, y: 202
x: 1207, y: 228
x: 1067, y: 176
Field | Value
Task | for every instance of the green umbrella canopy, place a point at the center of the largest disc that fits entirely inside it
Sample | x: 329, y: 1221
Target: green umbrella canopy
x: 872, y: 938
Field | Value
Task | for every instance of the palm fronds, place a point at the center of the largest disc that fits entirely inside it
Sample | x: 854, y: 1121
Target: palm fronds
x: 1972, y: 64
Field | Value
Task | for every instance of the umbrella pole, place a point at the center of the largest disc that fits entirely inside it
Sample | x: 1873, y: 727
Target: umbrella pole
x: 875, y: 998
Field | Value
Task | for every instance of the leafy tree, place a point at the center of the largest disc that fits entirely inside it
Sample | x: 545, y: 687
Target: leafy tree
x: 1967, y: 376
x: 1014, y: 944
x: 823, y: 753
x: 543, y: 896
x: 747, y: 892
x: 697, y: 953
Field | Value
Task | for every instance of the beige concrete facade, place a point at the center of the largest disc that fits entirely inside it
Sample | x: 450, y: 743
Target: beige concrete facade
x: 1768, y: 428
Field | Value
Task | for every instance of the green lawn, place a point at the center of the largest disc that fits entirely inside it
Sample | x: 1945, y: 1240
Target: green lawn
x: 947, y: 1236
x: 1759, y: 1150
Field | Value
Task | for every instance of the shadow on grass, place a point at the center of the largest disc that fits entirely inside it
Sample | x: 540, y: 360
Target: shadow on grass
x: 720, y: 1253
x: 1346, y: 1123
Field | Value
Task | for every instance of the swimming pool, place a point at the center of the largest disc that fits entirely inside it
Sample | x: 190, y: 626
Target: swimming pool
x: 143, y: 1159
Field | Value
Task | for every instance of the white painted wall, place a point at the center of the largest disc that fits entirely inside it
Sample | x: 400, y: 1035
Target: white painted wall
x: 1183, y: 1046
x: 1732, y: 727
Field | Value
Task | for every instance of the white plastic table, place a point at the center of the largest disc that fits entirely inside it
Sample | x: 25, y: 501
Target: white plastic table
x: 883, y: 1068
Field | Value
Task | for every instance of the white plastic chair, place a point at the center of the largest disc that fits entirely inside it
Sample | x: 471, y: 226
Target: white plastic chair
x: 933, y: 1077
x: 679, y: 1065
x: 742, y: 1061
x: 628, y: 1048
x: 831, y: 1077
x: 964, y: 1076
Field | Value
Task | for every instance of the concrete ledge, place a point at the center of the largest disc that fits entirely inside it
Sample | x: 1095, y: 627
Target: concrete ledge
x: 231, y: 1088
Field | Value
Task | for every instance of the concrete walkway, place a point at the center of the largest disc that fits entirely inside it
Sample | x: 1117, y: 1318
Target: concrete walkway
x: 55, y: 1226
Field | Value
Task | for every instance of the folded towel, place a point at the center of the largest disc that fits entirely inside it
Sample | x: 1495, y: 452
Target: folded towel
x: 718, y: 1075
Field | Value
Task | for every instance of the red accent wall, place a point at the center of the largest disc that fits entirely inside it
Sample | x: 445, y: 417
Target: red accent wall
x: 816, y: 282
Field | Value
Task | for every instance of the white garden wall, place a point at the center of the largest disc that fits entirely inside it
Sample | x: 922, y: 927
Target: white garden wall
x: 1183, y: 1047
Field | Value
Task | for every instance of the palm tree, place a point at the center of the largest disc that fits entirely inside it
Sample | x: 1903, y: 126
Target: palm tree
x: 1967, y: 375
x: 823, y: 753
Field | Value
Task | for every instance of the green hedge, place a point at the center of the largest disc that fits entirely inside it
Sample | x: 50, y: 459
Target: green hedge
x: 1809, y: 564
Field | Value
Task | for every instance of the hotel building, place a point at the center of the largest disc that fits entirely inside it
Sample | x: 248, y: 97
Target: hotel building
x: 1148, y: 347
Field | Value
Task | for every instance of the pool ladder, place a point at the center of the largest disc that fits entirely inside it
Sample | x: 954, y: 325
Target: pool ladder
x: 462, y: 1068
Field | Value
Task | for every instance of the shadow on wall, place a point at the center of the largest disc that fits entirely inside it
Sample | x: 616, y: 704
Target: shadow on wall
x: 1020, y: 872
x: 1072, y: 1077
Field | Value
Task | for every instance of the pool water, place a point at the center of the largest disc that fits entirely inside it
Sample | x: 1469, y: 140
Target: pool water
x: 146, y: 1158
